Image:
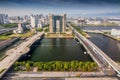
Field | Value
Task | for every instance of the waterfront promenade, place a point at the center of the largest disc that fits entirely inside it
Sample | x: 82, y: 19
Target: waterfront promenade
x: 57, y: 76
x: 15, y: 53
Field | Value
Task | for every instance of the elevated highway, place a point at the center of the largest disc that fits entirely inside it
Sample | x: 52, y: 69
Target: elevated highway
x: 14, y: 54
x: 103, y: 61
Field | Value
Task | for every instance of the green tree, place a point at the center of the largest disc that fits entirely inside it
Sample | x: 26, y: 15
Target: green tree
x: 66, y: 66
x: 27, y: 65
x: 16, y: 68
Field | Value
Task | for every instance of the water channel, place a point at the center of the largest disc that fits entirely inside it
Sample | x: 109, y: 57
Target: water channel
x: 57, y: 49
x: 109, y: 46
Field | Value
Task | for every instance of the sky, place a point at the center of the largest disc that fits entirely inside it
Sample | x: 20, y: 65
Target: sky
x: 70, y: 7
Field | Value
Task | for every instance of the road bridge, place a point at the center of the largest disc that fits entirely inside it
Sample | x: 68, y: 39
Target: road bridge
x: 14, y: 54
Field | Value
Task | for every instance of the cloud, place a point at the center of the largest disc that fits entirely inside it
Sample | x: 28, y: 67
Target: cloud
x: 83, y: 7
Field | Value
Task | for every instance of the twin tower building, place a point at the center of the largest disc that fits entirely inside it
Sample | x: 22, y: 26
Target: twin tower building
x: 57, y: 23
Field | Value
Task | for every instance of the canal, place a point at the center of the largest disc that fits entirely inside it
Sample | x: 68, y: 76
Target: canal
x: 110, y: 46
x: 57, y: 49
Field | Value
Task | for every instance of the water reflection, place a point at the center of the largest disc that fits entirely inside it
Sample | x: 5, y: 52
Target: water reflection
x: 58, y: 50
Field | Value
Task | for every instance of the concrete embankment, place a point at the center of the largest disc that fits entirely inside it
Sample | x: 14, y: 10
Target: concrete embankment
x: 111, y: 37
x: 108, y: 35
x: 59, y: 37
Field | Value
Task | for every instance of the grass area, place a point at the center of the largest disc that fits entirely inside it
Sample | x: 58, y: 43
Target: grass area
x: 79, y: 30
x: 118, y: 62
x: 2, y: 70
x: 56, y: 66
x: 3, y: 57
x: 5, y: 36
x: 9, y: 25
x: 45, y: 29
x: 58, y: 35
x: 24, y: 35
x: 39, y: 29
x: 118, y: 39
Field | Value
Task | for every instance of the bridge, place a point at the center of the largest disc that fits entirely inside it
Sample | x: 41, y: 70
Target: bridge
x: 14, y: 54
x: 98, y: 31
x: 104, y: 62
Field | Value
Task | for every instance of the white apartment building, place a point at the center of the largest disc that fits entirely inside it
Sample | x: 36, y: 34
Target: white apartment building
x: 33, y: 22
x: 19, y: 29
x: 94, y: 22
x: 115, y: 32
x: 117, y: 21
x: 40, y: 23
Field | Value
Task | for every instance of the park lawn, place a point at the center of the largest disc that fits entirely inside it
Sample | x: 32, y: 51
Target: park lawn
x: 4, y: 37
x: 24, y: 35
x: 9, y: 25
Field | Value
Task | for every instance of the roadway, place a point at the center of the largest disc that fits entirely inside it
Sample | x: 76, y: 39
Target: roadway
x: 54, y: 75
x: 98, y: 55
x: 14, y: 54
x: 4, y: 30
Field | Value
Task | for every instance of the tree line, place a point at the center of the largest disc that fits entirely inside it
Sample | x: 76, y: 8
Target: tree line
x: 56, y: 66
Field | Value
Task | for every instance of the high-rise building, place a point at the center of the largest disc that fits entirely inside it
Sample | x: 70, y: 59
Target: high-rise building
x: 25, y: 19
x: 40, y: 23
x: 1, y: 19
x: 33, y: 21
x: 18, y: 19
x: 4, y: 19
x: 57, y: 23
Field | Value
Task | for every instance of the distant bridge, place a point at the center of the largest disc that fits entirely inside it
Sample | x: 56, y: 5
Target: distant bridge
x: 97, y: 31
x: 103, y: 61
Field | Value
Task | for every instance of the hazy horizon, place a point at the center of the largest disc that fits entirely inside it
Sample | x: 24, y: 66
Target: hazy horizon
x: 70, y: 7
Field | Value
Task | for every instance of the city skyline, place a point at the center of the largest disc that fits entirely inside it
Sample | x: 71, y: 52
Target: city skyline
x: 70, y: 7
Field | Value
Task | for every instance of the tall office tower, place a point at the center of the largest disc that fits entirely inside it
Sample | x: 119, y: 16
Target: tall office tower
x: 33, y: 21
x: 4, y: 19
x: 20, y: 27
x: 18, y: 19
x: 57, y: 23
x: 1, y: 19
x: 25, y: 18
